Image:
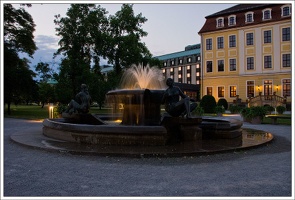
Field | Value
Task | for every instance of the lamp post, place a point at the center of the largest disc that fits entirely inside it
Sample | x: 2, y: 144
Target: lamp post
x: 51, y: 107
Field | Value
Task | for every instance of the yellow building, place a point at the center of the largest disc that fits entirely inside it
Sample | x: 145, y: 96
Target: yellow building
x: 246, y: 49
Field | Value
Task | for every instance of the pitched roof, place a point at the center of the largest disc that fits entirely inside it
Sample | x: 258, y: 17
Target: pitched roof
x: 179, y: 54
x: 238, y: 8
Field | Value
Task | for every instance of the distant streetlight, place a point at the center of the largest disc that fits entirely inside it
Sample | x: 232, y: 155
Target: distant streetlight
x: 51, y: 107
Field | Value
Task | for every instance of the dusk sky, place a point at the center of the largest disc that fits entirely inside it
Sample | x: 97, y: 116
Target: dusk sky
x: 170, y: 26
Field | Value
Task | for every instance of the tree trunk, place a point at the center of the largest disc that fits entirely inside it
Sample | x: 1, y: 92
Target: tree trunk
x: 8, y: 108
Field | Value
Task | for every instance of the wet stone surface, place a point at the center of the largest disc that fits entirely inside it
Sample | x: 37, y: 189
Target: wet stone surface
x: 249, y: 138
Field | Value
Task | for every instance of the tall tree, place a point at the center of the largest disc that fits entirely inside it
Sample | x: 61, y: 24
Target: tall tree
x: 18, y: 38
x: 46, y: 90
x: 82, y: 35
x: 125, y: 46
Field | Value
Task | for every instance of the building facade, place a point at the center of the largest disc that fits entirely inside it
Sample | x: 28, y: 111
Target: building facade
x: 247, y: 50
x: 184, y: 68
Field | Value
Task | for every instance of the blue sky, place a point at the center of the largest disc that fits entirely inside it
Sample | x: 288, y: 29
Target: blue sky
x: 170, y: 26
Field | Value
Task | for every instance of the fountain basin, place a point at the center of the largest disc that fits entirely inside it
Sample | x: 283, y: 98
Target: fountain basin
x: 104, y: 134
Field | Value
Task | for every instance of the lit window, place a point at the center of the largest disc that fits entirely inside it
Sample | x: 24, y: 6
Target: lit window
x: 209, y: 91
x: 180, y: 61
x: 220, y: 92
x: 189, y: 59
x: 171, y: 69
x: 179, y: 68
x: 250, y: 89
x: 232, y: 91
x: 188, y: 67
x: 267, y: 87
x: 179, y: 75
x: 286, y: 87
x: 197, y: 82
x: 197, y: 73
x: 198, y: 66
x: 188, y: 75
x: 165, y: 64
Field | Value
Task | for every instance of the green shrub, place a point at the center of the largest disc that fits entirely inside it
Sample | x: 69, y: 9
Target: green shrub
x: 234, y: 109
x: 219, y: 109
x: 223, y: 102
x: 199, y: 111
x: 245, y: 112
x: 208, y: 103
x: 269, y: 108
x: 281, y: 109
x: 257, y: 111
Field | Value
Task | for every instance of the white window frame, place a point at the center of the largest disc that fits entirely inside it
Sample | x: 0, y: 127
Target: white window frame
x: 263, y: 14
x: 252, y: 17
x: 232, y: 16
x: 282, y: 11
x: 219, y: 25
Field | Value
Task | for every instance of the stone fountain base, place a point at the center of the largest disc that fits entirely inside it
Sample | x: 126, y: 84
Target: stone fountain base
x: 171, y: 131
x: 104, y: 134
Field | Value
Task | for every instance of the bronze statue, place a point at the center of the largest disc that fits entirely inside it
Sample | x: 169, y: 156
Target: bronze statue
x: 82, y: 101
x: 173, y: 105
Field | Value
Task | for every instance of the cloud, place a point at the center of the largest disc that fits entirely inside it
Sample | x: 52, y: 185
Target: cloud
x: 45, y: 42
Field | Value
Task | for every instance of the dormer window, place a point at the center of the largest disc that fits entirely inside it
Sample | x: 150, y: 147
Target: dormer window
x: 232, y: 20
x: 249, y: 17
x: 266, y: 14
x: 285, y: 11
x: 219, y: 22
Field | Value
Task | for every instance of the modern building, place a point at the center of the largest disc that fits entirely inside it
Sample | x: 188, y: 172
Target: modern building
x: 247, y: 51
x: 185, y: 69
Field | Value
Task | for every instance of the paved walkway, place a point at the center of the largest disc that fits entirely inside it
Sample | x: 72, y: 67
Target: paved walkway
x: 260, y: 172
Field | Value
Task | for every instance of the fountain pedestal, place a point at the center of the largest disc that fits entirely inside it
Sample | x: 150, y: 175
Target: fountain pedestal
x: 182, y: 129
x: 142, y: 107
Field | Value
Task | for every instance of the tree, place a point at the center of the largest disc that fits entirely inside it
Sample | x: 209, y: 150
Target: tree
x: 125, y: 32
x: 46, y: 91
x: 45, y: 72
x: 18, y: 38
x: 82, y: 40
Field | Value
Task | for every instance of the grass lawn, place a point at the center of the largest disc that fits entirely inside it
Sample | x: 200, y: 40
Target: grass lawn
x: 279, y: 121
x: 37, y: 113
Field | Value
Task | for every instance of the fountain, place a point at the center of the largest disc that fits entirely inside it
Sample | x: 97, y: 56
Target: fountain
x: 144, y: 129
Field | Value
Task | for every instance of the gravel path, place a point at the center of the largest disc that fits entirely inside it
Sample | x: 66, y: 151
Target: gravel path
x: 264, y: 171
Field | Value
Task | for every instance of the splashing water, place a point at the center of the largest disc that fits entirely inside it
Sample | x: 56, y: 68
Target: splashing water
x: 142, y: 77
